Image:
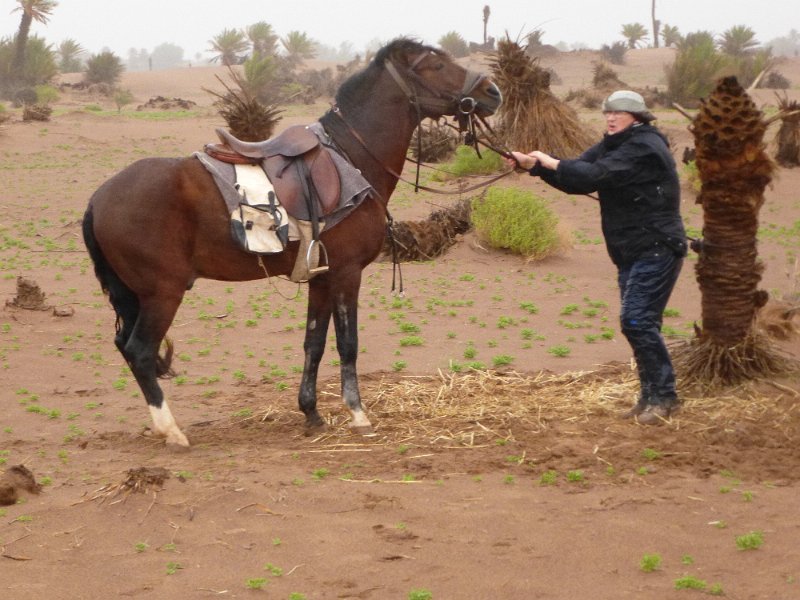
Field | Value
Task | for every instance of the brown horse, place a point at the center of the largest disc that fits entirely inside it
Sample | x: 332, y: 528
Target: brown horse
x: 161, y: 223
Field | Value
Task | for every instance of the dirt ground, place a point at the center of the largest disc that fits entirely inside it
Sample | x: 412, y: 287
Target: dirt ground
x: 515, y: 483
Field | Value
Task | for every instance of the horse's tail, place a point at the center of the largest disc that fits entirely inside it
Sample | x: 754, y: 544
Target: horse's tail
x: 122, y: 298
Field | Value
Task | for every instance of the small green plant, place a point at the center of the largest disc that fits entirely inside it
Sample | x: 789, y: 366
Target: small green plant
x: 256, y: 583
x: 320, y: 474
x: 750, y: 541
x: 650, y: 562
x: 651, y: 454
x: 548, y: 478
x: 173, y: 567
x: 122, y: 97
x: 502, y: 360
x: 561, y: 351
x: 274, y: 570
x: 420, y: 594
x: 687, y: 560
x: 399, y: 365
x: 575, y: 476
x: 689, y: 582
x: 411, y: 340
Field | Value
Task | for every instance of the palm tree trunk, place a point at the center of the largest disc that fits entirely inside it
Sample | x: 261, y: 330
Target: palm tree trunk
x: 656, y: 23
x: 734, y: 171
x: 18, y: 64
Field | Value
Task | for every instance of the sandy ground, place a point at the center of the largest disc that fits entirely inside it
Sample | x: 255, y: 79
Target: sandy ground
x: 453, y: 499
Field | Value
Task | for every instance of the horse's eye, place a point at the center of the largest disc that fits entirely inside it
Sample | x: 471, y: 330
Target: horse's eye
x: 439, y: 66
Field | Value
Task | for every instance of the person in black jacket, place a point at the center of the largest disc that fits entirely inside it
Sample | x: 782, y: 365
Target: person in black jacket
x: 635, y: 177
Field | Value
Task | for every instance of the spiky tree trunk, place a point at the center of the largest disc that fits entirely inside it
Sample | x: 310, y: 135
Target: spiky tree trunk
x: 734, y: 170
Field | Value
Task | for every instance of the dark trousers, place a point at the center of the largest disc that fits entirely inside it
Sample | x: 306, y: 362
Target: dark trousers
x: 645, y: 287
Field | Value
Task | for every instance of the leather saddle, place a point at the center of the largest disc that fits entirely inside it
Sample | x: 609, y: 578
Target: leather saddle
x: 299, y: 167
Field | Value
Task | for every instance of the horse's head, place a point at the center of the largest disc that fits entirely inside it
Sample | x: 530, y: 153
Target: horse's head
x: 435, y: 84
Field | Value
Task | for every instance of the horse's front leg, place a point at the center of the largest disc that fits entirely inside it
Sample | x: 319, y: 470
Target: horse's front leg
x: 317, y: 321
x: 345, y: 319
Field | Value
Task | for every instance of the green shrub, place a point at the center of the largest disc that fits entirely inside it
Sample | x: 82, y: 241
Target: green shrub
x: 695, y: 70
x: 518, y: 221
x: 105, y: 67
x: 122, y: 97
x: 467, y: 162
x: 45, y: 94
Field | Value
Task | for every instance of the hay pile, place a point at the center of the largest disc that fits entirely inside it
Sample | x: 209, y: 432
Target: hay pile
x: 532, y: 117
x: 434, y: 142
x: 431, y: 237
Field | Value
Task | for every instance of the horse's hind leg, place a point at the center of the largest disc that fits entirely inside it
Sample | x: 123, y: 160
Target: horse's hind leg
x: 141, y: 351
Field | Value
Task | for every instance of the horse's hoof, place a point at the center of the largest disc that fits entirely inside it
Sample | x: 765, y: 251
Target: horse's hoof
x: 315, y: 425
x: 175, y: 440
x: 365, y: 430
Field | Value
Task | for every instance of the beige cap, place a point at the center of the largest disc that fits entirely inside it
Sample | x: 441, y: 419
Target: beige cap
x: 628, y: 101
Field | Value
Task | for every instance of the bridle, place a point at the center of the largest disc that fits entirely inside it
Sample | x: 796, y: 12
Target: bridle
x: 462, y: 104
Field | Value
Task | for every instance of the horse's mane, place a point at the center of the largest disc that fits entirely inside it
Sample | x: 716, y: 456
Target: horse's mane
x: 359, y: 85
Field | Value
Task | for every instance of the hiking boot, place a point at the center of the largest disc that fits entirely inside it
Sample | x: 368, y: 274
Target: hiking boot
x: 657, y: 414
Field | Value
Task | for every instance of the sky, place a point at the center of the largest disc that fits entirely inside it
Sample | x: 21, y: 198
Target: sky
x: 144, y: 24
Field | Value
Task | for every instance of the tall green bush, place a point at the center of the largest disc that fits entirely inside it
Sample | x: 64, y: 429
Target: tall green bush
x: 696, y: 69
x: 105, y: 67
x: 39, y: 66
x: 518, y: 221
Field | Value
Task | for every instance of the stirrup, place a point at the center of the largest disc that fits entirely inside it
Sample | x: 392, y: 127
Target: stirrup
x: 323, y: 266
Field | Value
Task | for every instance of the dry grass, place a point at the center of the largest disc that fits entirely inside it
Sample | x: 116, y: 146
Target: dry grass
x: 532, y: 117
x: 478, y: 408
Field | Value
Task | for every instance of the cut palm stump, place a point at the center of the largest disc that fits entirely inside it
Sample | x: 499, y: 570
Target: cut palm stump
x: 734, y: 171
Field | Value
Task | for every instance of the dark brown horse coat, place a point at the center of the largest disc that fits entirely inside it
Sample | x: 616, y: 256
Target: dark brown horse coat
x: 160, y: 224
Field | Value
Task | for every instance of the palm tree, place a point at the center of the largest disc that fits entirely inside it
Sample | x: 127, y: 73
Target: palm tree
x: 68, y: 52
x: 298, y: 47
x: 228, y: 45
x: 263, y: 38
x: 738, y: 41
x: 634, y: 33
x: 670, y: 36
x: 486, y: 12
x: 32, y: 10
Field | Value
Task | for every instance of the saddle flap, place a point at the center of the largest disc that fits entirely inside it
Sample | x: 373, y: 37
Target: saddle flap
x: 318, y: 168
x: 294, y: 141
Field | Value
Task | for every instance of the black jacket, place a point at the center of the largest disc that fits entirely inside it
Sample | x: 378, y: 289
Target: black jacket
x: 637, y: 182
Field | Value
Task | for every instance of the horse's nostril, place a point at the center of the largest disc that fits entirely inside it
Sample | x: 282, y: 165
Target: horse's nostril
x: 495, y: 92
